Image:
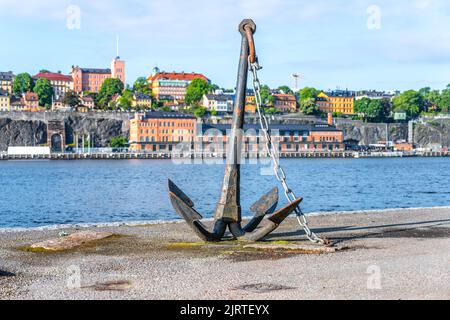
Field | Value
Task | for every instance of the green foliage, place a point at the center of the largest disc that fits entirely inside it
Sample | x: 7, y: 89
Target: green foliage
x: 270, y: 111
x: 125, y: 100
x: 309, y: 93
x: 195, y: 91
x: 286, y: 90
x: 71, y: 99
x: 109, y: 88
x: 373, y: 110
x: 22, y: 84
x: 44, y: 90
x: 119, y: 142
x: 141, y: 86
x: 267, y: 98
x: 410, y: 101
x: 214, y: 112
x: 199, y: 112
x: 309, y: 106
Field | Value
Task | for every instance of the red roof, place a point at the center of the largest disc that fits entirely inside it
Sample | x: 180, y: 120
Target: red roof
x: 53, y: 76
x: 285, y: 97
x: 31, y: 96
x: 177, y: 76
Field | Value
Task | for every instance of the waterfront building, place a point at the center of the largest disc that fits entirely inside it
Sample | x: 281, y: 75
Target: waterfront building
x: 285, y: 103
x: 160, y: 131
x: 6, y: 81
x: 5, y: 101
x: 171, y: 86
x: 222, y: 103
x: 60, y: 83
x: 290, y: 138
x: 141, y: 101
x: 337, y: 102
x: 91, y: 80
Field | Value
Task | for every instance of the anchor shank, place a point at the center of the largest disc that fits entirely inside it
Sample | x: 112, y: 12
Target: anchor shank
x: 229, y: 206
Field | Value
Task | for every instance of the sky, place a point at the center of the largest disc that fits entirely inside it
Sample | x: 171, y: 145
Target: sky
x: 354, y: 44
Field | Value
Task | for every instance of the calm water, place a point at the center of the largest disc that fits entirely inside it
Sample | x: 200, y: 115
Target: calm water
x: 36, y: 194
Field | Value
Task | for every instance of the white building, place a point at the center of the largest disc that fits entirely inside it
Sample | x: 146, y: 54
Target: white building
x: 219, y: 102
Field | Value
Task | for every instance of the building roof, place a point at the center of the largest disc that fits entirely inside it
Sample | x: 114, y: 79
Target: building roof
x: 167, y: 115
x: 219, y: 97
x: 180, y: 76
x: 6, y: 76
x: 341, y: 94
x: 281, y: 127
x: 142, y: 96
x: 53, y: 76
x: 285, y: 97
x: 94, y: 70
x: 31, y: 96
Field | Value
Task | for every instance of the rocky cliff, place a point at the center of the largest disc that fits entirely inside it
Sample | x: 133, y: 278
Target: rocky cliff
x: 432, y: 133
x: 372, y: 133
x: 26, y: 129
x: 22, y: 133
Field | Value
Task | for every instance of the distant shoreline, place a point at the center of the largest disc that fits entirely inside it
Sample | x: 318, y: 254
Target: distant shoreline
x: 197, y: 156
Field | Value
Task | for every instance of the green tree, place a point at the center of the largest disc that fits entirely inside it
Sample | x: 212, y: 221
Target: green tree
x: 22, y: 83
x: 44, y: 90
x: 308, y: 93
x: 444, y: 100
x: 199, y: 112
x: 109, y: 88
x: 373, y: 110
x: 72, y: 99
x: 286, y: 90
x: 125, y: 100
x: 410, y: 101
x: 267, y: 98
x: 309, y: 106
x: 141, y: 86
x: 195, y: 91
x: 119, y: 142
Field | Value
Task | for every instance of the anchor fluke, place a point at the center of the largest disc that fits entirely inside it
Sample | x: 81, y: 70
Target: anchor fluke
x: 264, y: 206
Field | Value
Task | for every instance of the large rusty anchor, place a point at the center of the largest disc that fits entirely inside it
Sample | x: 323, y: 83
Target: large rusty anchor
x: 228, y: 211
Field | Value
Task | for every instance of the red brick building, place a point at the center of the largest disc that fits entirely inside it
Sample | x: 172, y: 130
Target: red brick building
x: 91, y: 80
x: 285, y: 103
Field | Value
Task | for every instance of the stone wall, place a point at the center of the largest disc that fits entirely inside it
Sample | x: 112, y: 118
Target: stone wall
x: 30, y: 129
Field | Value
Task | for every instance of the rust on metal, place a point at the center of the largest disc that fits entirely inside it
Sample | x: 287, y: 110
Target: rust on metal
x: 228, y: 213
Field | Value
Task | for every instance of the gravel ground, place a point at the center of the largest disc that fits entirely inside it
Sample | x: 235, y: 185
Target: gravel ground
x: 394, y: 254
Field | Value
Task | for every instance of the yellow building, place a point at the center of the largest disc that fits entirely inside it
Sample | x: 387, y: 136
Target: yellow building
x: 5, y: 101
x: 337, y: 102
x: 141, y: 100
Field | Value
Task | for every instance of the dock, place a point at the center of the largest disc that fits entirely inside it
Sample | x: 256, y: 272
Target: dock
x: 202, y: 155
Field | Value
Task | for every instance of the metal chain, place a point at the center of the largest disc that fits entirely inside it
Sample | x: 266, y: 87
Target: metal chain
x: 274, y: 155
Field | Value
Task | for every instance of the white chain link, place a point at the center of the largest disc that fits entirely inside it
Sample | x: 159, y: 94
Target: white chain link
x: 274, y: 155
